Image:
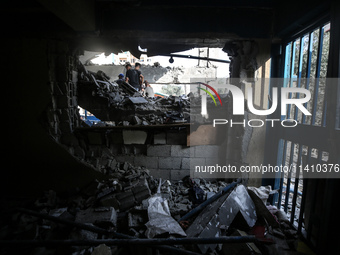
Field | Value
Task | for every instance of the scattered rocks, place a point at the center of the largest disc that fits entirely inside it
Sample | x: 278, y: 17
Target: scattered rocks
x: 122, y: 104
x: 121, y: 204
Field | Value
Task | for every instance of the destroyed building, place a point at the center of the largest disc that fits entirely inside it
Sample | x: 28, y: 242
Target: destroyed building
x: 128, y: 183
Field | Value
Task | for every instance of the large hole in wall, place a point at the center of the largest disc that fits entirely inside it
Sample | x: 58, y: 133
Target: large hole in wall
x: 163, y: 77
x: 147, y: 132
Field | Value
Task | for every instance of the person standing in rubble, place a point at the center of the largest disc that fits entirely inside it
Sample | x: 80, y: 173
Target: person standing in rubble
x: 120, y: 79
x: 134, y: 77
x: 127, y: 67
x: 140, y: 76
x: 148, y: 90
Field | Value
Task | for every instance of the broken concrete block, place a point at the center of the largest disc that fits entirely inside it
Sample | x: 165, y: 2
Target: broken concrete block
x: 179, y: 208
x: 81, y: 234
x: 141, y: 192
x: 145, y: 123
x: 137, y: 219
x: 57, y: 212
x: 125, y: 166
x: 109, y: 201
x: 138, y: 100
x: 136, y: 120
x: 98, y: 216
x: 101, y: 249
x: 105, y: 192
x: 210, y: 194
x: 126, y: 200
x: 113, y: 164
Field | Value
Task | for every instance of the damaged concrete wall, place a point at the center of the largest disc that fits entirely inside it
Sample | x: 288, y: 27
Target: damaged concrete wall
x: 43, y: 134
x: 250, y: 67
x: 165, y: 153
x: 36, y: 161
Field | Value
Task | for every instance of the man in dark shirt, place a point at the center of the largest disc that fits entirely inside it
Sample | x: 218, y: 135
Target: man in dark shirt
x: 128, y: 66
x: 140, y: 76
x: 134, y: 76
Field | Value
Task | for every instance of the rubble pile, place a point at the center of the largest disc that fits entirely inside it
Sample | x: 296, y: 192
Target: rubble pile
x: 123, y: 105
x: 132, y: 204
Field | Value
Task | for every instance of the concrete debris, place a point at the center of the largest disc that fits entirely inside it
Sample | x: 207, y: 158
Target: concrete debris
x: 57, y: 212
x: 121, y: 103
x: 81, y: 234
x: 131, y: 201
x: 102, y: 250
x: 138, y: 100
x: 137, y: 218
x: 99, y: 216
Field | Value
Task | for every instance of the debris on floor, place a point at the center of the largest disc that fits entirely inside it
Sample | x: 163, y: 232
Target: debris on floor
x: 132, y: 204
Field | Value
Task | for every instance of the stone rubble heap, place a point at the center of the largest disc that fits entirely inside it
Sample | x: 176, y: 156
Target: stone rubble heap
x: 121, y: 103
x: 121, y: 204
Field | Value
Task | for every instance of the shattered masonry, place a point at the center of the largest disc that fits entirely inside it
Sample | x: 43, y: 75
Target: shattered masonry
x: 132, y: 204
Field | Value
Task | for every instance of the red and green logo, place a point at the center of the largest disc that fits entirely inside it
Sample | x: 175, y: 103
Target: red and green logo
x: 209, y: 93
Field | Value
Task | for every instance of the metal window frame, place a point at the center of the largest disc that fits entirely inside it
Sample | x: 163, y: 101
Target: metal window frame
x: 290, y: 56
x: 277, y: 139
